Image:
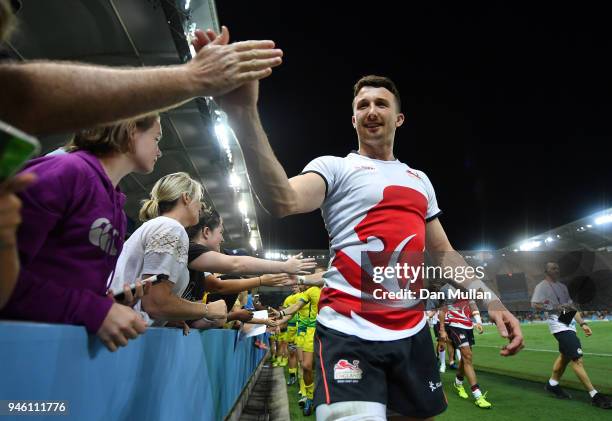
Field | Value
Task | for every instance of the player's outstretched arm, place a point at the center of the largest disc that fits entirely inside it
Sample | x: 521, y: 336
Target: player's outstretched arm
x: 439, y: 247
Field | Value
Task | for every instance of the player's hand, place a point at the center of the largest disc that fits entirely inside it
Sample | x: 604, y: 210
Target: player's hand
x: 587, y: 330
x: 443, y: 336
x: 479, y: 328
x: 219, y: 67
x: 507, y: 326
x: 272, y: 312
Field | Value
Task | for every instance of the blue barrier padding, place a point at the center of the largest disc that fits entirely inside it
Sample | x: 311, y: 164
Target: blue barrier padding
x: 162, y: 375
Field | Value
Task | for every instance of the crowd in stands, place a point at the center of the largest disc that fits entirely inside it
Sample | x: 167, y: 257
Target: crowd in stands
x: 64, y: 247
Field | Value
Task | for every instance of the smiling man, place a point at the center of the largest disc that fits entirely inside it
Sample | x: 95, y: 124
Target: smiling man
x: 373, y: 360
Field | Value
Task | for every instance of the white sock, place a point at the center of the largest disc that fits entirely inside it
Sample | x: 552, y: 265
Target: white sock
x: 553, y: 382
x: 476, y: 393
x: 442, y: 355
x: 593, y: 392
x: 458, y: 382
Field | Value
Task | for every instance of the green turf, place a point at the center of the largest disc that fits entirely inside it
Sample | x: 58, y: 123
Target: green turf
x: 536, y: 360
x: 515, y: 384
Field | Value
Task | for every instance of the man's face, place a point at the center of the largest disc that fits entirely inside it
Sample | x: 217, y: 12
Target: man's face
x: 552, y: 269
x: 375, y: 116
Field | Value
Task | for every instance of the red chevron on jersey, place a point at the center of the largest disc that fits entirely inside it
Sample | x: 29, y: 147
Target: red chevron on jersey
x: 459, y: 315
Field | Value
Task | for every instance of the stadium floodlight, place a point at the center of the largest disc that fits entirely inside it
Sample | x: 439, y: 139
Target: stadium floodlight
x: 243, y: 208
x: 549, y: 240
x: 605, y: 219
x: 530, y: 245
x: 221, y: 132
x: 589, y: 226
x: 234, y: 180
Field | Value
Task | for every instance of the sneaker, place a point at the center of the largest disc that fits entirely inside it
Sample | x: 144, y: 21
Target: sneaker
x: 601, y: 401
x: 292, y: 380
x: 452, y: 366
x: 557, y: 391
x: 460, y: 391
x: 308, y: 407
x: 442, y: 369
x: 302, y: 401
x: 481, y: 402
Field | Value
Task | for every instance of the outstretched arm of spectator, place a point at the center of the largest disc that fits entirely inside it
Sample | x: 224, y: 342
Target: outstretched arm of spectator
x: 162, y: 304
x: 232, y: 286
x: 222, y: 263
x: 44, y: 97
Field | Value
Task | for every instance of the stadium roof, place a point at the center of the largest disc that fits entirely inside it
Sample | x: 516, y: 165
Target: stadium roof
x: 593, y: 232
x: 145, y: 33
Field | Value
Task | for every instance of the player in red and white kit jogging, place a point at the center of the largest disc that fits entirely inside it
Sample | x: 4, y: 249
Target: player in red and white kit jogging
x: 458, y: 317
x: 372, y: 360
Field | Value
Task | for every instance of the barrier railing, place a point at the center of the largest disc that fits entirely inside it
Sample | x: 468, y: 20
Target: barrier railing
x: 162, y: 375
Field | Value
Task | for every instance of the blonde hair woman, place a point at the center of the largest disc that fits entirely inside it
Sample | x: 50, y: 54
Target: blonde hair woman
x: 160, y: 246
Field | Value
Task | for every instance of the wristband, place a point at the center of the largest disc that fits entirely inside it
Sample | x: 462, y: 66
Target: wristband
x: 478, y: 319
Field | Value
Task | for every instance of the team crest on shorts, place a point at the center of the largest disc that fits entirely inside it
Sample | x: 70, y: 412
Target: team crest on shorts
x: 345, y: 372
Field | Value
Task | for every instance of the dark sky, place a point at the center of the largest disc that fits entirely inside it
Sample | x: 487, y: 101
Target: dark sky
x: 507, y: 106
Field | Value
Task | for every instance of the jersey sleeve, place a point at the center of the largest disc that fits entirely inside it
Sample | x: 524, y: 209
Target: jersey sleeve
x: 327, y: 168
x: 433, y: 211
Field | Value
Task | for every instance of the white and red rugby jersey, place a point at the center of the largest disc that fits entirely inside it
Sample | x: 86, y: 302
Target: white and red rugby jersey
x: 378, y: 207
x: 459, y: 315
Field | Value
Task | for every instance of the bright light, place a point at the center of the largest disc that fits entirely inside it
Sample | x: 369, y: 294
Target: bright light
x: 234, y: 180
x: 269, y: 255
x: 276, y: 255
x: 221, y: 132
x: 605, y: 219
x: 530, y: 245
x: 549, y: 240
x: 253, y: 243
x: 243, y: 208
x: 187, y: 3
x: 589, y: 226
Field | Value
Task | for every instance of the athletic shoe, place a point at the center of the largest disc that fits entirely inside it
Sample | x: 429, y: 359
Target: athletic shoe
x: 460, y: 391
x: 302, y: 401
x: 601, y: 401
x: 442, y: 369
x: 481, y: 402
x: 453, y: 366
x: 308, y: 407
x: 557, y: 391
x: 292, y: 380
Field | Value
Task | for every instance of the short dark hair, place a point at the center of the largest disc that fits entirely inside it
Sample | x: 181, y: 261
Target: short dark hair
x: 378, y: 82
x: 210, y: 218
